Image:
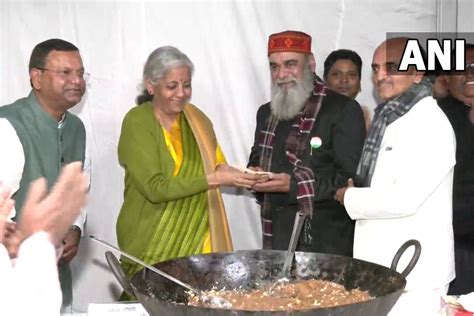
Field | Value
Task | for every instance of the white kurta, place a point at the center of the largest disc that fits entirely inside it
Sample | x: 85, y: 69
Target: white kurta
x: 410, y: 197
x: 12, y: 162
x: 31, y: 286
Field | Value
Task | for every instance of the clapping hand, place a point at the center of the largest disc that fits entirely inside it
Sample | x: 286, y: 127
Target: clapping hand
x: 53, y: 213
x: 6, y: 205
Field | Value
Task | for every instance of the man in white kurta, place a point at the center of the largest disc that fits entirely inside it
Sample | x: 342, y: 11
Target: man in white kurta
x: 30, y: 284
x: 408, y: 192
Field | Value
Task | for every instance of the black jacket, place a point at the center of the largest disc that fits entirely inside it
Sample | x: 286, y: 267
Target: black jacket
x: 463, y: 186
x: 340, y: 125
x: 463, y: 195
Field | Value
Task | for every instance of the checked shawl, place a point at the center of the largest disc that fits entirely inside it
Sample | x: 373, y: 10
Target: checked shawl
x: 385, y: 114
x: 296, y: 145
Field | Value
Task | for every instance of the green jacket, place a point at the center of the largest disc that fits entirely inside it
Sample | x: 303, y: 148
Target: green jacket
x: 149, y: 181
x: 46, y: 147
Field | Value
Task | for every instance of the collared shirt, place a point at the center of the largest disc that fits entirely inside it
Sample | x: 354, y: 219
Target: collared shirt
x: 12, y: 161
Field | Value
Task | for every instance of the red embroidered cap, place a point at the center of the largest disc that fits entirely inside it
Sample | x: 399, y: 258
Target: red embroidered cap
x: 289, y: 41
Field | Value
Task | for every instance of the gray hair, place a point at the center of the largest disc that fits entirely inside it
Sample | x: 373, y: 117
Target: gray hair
x: 158, y: 64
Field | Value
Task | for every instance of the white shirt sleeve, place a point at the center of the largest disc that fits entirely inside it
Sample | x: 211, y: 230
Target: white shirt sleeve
x: 12, y: 159
x: 32, y: 286
x: 81, y: 219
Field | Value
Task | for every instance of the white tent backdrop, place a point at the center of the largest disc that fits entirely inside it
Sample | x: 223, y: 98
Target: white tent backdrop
x: 227, y: 42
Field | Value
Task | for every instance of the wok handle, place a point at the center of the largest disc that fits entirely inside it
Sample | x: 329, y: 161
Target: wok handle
x: 118, y: 272
x: 414, y: 259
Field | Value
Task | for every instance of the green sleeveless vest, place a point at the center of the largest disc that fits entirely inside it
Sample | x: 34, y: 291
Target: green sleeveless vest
x: 46, y: 147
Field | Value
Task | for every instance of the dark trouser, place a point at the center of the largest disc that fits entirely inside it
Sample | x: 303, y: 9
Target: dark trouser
x: 332, y: 230
x: 65, y: 278
x: 464, y: 257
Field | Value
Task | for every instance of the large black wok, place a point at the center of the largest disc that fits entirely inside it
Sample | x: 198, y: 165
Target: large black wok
x: 248, y: 269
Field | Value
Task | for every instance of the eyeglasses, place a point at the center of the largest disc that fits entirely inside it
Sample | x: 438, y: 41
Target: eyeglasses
x: 68, y: 73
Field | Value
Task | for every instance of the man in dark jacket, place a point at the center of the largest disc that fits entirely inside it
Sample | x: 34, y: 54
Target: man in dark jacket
x: 310, y: 138
x: 458, y: 107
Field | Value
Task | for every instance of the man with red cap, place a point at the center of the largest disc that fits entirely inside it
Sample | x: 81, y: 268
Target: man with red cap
x: 310, y: 138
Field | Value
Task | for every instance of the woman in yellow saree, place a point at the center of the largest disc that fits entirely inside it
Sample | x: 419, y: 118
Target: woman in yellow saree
x: 173, y: 169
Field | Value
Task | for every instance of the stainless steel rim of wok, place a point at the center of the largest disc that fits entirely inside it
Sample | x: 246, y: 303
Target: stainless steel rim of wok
x: 206, y: 299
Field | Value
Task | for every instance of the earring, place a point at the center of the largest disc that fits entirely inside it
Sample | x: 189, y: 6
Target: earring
x: 150, y: 92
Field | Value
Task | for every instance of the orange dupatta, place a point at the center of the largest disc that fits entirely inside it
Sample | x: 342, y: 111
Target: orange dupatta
x: 203, y: 131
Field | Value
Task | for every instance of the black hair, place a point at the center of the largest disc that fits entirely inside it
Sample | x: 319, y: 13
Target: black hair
x: 342, y: 54
x: 41, y: 51
x: 438, y: 71
x: 468, y: 46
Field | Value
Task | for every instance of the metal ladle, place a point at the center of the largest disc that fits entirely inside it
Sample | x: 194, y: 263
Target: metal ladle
x: 290, y: 254
x: 206, y: 299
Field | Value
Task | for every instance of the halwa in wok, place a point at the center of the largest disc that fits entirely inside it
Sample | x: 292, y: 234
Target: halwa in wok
x: 287, y: 296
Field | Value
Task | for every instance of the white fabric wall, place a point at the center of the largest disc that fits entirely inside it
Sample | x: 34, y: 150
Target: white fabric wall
x: 227, y: 42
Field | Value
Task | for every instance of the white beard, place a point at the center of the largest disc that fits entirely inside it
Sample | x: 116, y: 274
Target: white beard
x: 287, y: 103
